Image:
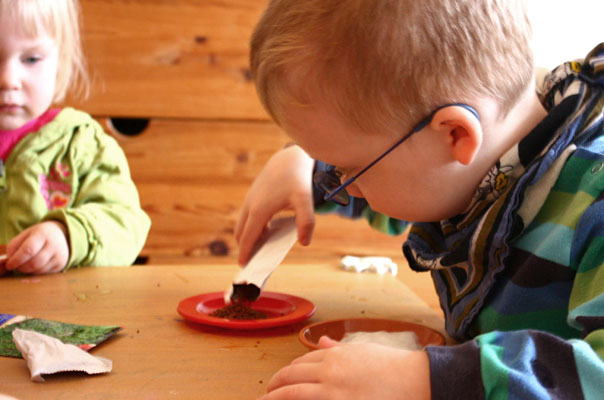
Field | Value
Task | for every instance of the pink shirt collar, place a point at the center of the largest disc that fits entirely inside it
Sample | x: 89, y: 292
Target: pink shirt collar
x: 10, y: 138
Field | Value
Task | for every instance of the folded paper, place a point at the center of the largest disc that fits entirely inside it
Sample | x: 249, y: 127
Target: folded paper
x: 47, y: 355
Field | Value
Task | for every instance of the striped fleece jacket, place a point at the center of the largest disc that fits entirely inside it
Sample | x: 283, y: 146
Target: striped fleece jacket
x: 520, y: 274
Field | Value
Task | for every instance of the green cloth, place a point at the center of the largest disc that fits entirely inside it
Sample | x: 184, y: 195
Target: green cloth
x: 83, y: 336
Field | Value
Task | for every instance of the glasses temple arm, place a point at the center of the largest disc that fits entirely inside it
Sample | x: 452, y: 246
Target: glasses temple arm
x: 352, y: 179
x: 421, y: 125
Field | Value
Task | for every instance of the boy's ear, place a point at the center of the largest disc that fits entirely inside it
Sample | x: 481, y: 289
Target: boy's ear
x: 463, y: 132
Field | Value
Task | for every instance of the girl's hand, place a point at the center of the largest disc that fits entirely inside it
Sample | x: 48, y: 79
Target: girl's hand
x: 285, y: 183
x: 353, y: 371
x: 40, y: 249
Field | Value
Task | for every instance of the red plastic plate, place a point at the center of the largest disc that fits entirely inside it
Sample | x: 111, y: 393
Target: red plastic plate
x: 281, y: 309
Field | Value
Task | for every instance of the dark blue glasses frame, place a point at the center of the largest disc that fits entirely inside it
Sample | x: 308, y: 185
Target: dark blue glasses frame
x: 329, y: 181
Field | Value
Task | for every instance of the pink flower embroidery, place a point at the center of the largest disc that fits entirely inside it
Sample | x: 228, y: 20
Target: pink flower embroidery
x: 56, y: 193
x: 59, y: 200
x: 59, y: 171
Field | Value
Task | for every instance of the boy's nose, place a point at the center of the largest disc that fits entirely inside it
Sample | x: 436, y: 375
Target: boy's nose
x: 9, y: 76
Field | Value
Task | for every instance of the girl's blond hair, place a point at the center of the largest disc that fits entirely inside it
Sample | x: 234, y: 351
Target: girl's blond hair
x: 61, y: 20
x: 385, y: 64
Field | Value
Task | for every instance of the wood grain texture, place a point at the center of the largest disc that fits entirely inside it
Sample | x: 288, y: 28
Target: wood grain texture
x: 170, y: 58
x: 158, y: 355
x: 179, y: 63
x: 173, y: 151
x: 193, y: 175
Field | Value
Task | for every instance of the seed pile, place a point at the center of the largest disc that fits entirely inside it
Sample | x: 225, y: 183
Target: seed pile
x: 237, y: 311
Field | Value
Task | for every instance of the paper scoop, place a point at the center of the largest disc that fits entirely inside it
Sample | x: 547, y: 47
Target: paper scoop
x: 274, y: 245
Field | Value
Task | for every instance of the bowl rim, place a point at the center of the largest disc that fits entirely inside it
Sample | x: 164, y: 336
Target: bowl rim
x: 313, y: 346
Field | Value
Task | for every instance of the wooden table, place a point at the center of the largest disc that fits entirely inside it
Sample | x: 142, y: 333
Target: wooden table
x: 158, y: 355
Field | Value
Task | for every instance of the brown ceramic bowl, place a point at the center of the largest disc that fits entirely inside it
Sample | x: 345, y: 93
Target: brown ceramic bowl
x: 336, y: 329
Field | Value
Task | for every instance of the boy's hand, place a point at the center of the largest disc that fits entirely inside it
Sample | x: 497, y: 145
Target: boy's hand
x: 40, y: 249
x: 285, y: 183
x: 353, y: 371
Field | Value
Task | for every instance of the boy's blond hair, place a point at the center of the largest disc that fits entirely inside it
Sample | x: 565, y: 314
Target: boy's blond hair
x: 385, y: 64
x: 61, y: 20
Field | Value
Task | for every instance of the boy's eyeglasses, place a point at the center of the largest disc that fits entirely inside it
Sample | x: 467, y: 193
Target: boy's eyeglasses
x: 329, y: 181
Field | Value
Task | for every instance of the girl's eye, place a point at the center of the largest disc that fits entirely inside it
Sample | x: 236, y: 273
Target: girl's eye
x: 32, y: 59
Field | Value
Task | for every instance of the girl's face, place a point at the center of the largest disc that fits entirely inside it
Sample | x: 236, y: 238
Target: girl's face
x: 28, y: 71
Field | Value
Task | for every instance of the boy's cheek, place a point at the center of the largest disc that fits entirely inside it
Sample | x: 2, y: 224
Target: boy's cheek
x: 354, y: 191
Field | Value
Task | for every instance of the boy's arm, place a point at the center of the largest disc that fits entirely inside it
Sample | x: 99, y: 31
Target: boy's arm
x: 106, y: 224
x: 517, y: 364
x: 533, y: 364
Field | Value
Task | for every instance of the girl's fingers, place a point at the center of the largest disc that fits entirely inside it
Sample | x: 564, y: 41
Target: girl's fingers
x: 37, y: 264
x: 28, y: 249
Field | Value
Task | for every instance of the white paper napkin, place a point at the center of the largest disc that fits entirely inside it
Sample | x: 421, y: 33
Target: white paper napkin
x: 378, y: 265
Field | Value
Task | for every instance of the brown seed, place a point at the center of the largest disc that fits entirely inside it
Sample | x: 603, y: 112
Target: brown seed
x: 237, y: 311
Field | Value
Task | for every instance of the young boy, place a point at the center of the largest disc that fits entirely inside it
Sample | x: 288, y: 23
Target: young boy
x: 427, y: 111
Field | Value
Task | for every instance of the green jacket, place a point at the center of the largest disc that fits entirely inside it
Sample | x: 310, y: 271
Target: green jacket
x: 71, y: 171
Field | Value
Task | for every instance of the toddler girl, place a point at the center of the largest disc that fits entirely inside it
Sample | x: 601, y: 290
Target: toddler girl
x: 66, y: 196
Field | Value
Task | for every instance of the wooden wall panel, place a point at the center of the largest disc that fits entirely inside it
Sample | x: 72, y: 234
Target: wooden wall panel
x: 192, y: 178
x: 200, y: 221
x: 170, y: 58
x: 201, y: 152
x: 183, y: 64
